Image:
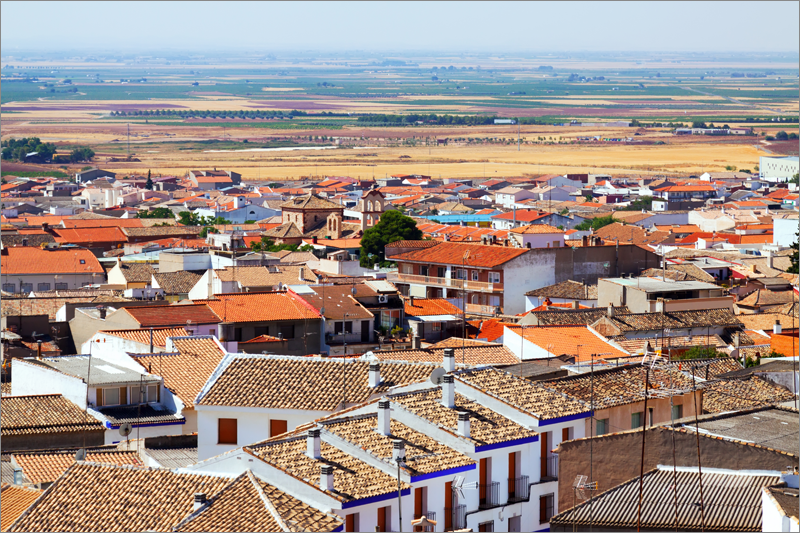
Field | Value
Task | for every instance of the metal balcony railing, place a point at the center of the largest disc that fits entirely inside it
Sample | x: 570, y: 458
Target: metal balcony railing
x: 518, y: 489
x: 550, y: 468
x: 452, y: 283
x: 457, y: 517
x: 489, y: 495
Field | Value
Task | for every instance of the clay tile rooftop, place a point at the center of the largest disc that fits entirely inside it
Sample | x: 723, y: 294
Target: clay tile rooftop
x: 172, y: 315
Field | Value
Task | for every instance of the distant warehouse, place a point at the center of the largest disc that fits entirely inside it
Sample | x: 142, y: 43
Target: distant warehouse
x: 505, y: 121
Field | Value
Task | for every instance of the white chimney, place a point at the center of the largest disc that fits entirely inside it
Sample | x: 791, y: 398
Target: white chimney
x: 463, y: 424
x: 314, y: 444
x: 449, y: 391
x: 777, y: 328
x: 301, y: 275
x: 326, y: 478
x: 449, y: 362
x: 384, y: 417
x: 199, y: 500
x: 374, y: 375
x: 399, y: 451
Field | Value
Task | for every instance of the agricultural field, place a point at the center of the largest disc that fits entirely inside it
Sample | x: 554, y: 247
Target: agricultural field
x: 301, y: 117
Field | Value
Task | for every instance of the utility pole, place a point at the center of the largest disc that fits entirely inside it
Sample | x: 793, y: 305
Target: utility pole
x: 129, y: 141
x: 517, y: 134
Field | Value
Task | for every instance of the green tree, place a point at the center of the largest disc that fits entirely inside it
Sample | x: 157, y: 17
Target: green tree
x: 187, y: 218
x: 595, y: 223
x: 702, y: 352
x: 781, y: 136
x: 699, y: 124
x: 643, y: 202
x: 795, y: 179
x: 149, y: 184
x: 158, y: 212
x: 393, y: 226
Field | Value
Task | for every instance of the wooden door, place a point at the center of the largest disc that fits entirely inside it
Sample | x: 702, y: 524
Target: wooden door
x: 512, y: 474
x: 449, y: 503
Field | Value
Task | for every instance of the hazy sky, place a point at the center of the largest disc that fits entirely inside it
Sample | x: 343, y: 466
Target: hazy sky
x: 437, y: 26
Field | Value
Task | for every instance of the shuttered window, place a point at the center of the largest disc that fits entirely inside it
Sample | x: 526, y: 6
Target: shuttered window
x: 277, y: 427
x: 226, y: 431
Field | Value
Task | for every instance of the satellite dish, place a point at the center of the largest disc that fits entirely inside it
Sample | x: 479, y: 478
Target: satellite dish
x: 80, y: 455
x: 125, y: 429
x: 436, y: 375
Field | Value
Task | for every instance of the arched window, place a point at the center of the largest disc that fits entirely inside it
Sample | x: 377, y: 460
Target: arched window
x: 378, y: 205
x: 369, y: 205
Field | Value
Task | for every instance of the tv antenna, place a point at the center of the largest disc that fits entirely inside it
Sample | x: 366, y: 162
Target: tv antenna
x: 579, y: 486
x: 459, y: 486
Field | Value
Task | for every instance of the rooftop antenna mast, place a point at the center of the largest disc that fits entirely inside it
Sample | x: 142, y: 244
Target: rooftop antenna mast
x: 129, y: 140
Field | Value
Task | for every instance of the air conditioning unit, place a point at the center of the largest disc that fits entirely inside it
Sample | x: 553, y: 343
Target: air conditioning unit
x: 383, y: 298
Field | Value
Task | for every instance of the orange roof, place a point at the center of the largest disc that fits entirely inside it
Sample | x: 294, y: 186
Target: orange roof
x: 172, y: 315
x: 90, y: 235
x: 41, y: 219
x: 430, y: 307
x: 102, y: 223
x: 491, y: 329
x: 142, y: 336
x: 46, y: 467
x: 453, y: 253
x: 547, y: 306
x: 536, y: 228
x: 569, y: 340
x: 262, y: 307
x: 16, y: 501
x: 337, y: 243
x: 687, y: 188
x: 31, y: 260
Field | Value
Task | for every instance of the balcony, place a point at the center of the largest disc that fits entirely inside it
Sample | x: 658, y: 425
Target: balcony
x: 489, y: 495
x: 430, y: 515
x: 477, y: 309
x: 455, y: 517
x: 450, y: 283
x: 518, y: 489
x: 549, y: 468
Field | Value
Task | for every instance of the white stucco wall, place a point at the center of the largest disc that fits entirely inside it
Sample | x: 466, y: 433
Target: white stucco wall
x: 784, y: 231
x: 34, y: 379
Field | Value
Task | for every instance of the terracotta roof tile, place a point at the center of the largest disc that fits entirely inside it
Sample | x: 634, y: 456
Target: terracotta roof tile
x: 353, y: 479
x: 172, y: 315
x: 577, y: 341
x: 424, y: 455
x: 283, y: 382
x: 486, y: 425
x: 47, y: 413
x: 738, y: 394
x: 16, y: 501
x: 186, y: 370
x: 160, y: 232
x: 763, y: 297
x: 94, y: 497
x: 180, y: 282
x: 452, y: 253
x: 569, y: 290
x: 39, y: 306
x: 142, y: 336
x: 46, y: 467
x: 275, y: 275
x: 490, y: 329
x: 429, y: 307
x: 471, y: 355
x: 529, y: 396
x: 262, y: 307
x: 29, y: 260
x: 137, y: 272
x: 531, y: 229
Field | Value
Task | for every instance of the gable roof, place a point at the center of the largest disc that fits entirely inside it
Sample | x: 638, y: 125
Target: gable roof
x: 736, y: 394
x: 172, y: 315
x: 18, y: 260
x: 95, y: 497
x: 180, y: 282
x: 142, y: 336
x: 310, y: 201
x: 16, y: 501
x: 429, y: 307
x: 472, y: 354
x: 137, y: 272
x: 452, y: 253
x: 262, y: 307
x: 44, y: 413
x: 568, y: 290
x: 579, y: 341
x: 307, y: 383
x: 47, y: 466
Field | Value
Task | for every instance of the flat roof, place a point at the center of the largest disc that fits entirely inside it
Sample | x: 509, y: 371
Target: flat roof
x: 102, y: 372
x: 651, y: 284
x: 772, y: 427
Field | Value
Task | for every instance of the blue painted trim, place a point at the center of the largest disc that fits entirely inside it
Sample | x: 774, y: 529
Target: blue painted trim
x: 109, y: 425
x: 497, y: 445
x: 547, y: 528
x: 441, y: 473
x: 564, y: 419
x: 373, y: 499
x: 340, y: 528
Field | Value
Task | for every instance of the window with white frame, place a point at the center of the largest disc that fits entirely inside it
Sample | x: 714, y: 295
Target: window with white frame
x: 43, y: 287
x: 494, y: 277
x: 475, y: 275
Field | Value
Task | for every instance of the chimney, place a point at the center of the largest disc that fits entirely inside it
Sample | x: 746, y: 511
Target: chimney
x: 313, y: 240
x: 449, y: 391
x: 777, y: 328
x: 384, y: 417
x: 411, y: 301
x: 585, y: 241
x: 326, y: 478
x: 151, y: 340
x: 39, y: 350
x: 314, y: 444
x: 463, y: 424
x: 449, y: 360
x: 101, y: 309
x: 399, y: 451
x: 374, y: 375
x: 610, y: 311
x: 576, y: 305
x: 416, y: 342
x: 300, y: 276
x: 736, y: 340
x: 17, y: 476
x: 199, y: 500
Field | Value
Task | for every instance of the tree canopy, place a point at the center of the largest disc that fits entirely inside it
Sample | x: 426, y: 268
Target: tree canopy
x: 393, y: 226
x: 595, y: 223
x: 643, y: 202
x: 158, y: 212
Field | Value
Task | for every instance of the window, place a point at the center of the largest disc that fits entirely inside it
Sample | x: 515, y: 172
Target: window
x: 43, y: 287
x: 351, y: 522
x: 545, y: 508
x: 636, y: 420
x: 461, y: 273
x: 342, y: 327
x: 650, y: 415
x: 515, y: 523
x: 112, y: 396
x: 601, y: 426
x: 277, y: 427
x: 494, y: 277
x: 83, y: 261
x: 226, y: 431
x: 475, y: 275
x: 566, y: 434
x: 153, y: 393
x: 486, y: 526
x: 261, y: 330
x: 423, y: 271
x: 9, y: 287
x: 287, y: 331
x: 26, y: 287
x: 436, y: 326
x: 677, y: 411
x: 62, y: 286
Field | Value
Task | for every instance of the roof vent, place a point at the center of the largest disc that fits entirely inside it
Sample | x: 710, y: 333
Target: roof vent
x: 314, y: 444
x: 326, y: 478
x: 199, y: 500
x: 374, y: 375
x: 384, y: 417
x: 463, y: 424
x: 448, y: 391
